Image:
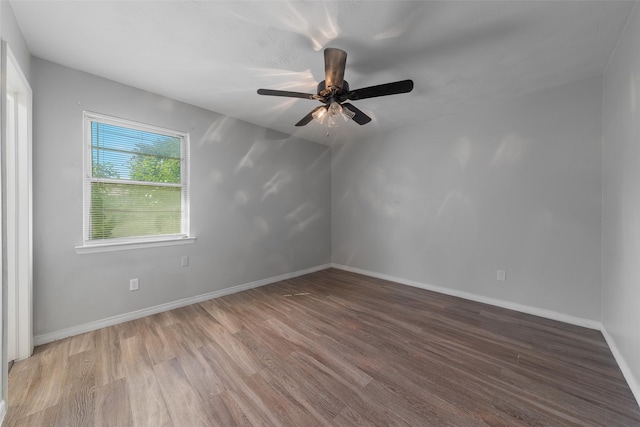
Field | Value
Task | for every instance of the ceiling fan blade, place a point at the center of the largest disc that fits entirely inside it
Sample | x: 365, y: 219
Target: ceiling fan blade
x: 334, y: 62
x: 288, y: 94
x: 394, y: 88
x: 360, y: 117
x: 306, y: 119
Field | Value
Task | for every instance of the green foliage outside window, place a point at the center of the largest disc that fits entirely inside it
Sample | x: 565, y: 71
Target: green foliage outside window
x: 160, y: 163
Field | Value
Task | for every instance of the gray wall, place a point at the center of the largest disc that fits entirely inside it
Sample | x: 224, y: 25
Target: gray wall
x: 621, y: 196
x: 514, y: 185
x: 13, y: 36
x: 260, y: 204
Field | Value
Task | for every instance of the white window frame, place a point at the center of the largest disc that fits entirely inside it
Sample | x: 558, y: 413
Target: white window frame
x: 105, y: 245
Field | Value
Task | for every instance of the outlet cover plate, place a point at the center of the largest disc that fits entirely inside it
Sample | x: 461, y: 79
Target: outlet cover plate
x: 501, y: 275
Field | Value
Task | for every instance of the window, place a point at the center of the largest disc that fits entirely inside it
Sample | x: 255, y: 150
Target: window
x: 135, y: 182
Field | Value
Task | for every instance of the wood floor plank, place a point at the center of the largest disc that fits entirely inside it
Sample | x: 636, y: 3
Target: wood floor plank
x: 152, y: 332
x: 318, y: 394
x: 331, y: 348
x: 224, y: 410
x: 351, y: 394
x: 44, y: 418
x: 185, y: 407
x: 303, y: 397
x: 349, y: 418
x: 285, y: 409
x: 109, y: 366
x: 240, y: 410
x: 235, y: 380
x: 268, y: 355
x: 225, y: 314
x: 112, y: 406
x: 76, y: 408
x: 148, y: 407
x: 82, y: 342
x: 51, y: 371
x: 198, y: 372
x: 332, y: 360
x: 240, y: 354
x: 23, y: 380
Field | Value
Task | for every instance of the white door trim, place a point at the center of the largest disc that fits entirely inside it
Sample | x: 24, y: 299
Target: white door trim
x: 18, y: 162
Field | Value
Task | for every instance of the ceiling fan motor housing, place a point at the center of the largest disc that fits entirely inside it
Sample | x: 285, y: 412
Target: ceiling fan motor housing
x: 322, y: 89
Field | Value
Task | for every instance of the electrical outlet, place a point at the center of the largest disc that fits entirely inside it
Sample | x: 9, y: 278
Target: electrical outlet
x: 501, y: 276
x: 184, y: 261
x: 133, y: 284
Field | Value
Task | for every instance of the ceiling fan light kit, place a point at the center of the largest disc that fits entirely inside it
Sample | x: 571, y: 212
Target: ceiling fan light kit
x: 333, y: 91
x: 331, y: 113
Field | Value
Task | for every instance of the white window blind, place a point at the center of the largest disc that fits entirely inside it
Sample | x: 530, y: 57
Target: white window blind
x: 136, y: 181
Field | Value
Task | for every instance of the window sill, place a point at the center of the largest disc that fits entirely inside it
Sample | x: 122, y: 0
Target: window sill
x: 123, y: 246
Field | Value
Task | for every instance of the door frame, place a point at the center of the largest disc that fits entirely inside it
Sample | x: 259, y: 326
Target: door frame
x: 17, y: 137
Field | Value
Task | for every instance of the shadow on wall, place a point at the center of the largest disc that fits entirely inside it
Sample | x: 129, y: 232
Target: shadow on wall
x: 302, y: 217
x: 218, y: 130
x: 270, y: 191
x: 421, y: 210
x: 276, y: 184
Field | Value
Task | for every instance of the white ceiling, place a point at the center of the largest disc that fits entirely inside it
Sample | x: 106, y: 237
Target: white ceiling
x: 216, y: 54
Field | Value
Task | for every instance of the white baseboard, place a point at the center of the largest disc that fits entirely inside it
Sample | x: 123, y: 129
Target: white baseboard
x: 110, y: 321
x: 634, y: 384
x: 536, y: 311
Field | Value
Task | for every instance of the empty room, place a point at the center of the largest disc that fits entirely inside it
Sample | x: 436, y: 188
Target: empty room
x: 301, y: 213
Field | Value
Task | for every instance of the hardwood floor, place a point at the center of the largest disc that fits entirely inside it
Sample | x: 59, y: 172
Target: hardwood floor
x: 329, y: 348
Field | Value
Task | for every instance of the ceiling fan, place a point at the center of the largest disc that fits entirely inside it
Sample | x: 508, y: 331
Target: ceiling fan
x: 333, y: 91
